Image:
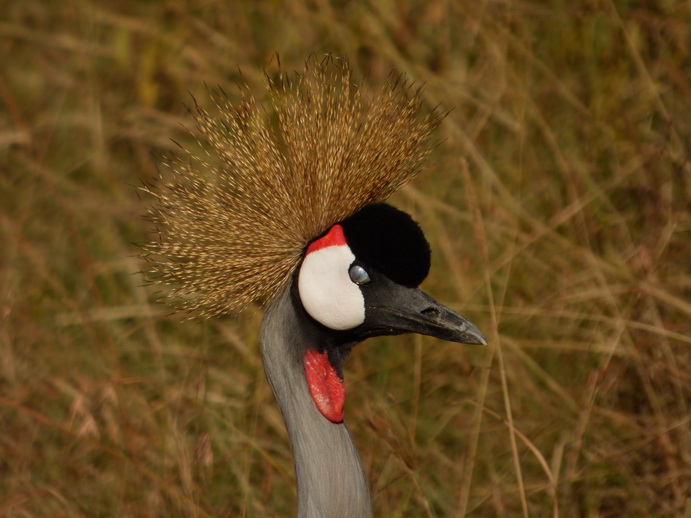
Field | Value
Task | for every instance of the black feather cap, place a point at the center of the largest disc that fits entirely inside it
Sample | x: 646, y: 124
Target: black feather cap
x: 390, y: 241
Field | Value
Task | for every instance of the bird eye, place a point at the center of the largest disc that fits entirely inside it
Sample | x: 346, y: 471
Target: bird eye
x: 358, y: 274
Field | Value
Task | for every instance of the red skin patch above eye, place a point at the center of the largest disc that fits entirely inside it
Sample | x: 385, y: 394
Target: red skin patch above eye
x: 334, y: 237
x: 326, y: 387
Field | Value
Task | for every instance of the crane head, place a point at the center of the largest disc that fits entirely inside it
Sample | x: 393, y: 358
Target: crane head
x: 360, y: 279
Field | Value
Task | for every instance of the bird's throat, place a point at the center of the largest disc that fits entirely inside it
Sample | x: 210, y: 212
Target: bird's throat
x: 325, y: 385
x: 330, y: 479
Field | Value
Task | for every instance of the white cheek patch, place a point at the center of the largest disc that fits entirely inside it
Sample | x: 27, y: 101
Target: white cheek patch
x: 326, y: 291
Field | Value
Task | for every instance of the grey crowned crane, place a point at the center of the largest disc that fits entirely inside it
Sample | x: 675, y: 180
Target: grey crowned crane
x: 285, y: 208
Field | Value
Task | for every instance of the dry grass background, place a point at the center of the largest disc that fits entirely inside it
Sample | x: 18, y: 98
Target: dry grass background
x: 557, y: 204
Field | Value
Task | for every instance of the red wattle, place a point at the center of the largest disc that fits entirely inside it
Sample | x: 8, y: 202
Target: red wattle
x: 326, y: 387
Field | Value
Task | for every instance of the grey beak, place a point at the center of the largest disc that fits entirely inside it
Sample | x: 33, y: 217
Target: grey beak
x: 394, y: 309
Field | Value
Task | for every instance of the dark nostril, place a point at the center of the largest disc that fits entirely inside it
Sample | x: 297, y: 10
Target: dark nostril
x: 430, y: 312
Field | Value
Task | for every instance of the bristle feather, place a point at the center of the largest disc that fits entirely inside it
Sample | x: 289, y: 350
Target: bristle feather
x: 236, y: 222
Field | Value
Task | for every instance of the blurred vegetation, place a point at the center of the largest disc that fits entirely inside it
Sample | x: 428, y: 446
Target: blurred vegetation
x: 558, y: 206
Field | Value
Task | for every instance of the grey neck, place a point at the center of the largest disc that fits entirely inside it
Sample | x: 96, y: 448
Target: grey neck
x: 330, y: 478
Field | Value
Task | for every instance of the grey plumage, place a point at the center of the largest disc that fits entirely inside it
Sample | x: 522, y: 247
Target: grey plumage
x: 331, y: 481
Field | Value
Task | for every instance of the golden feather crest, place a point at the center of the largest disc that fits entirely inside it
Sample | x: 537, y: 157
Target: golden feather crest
x: 233, y: 225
